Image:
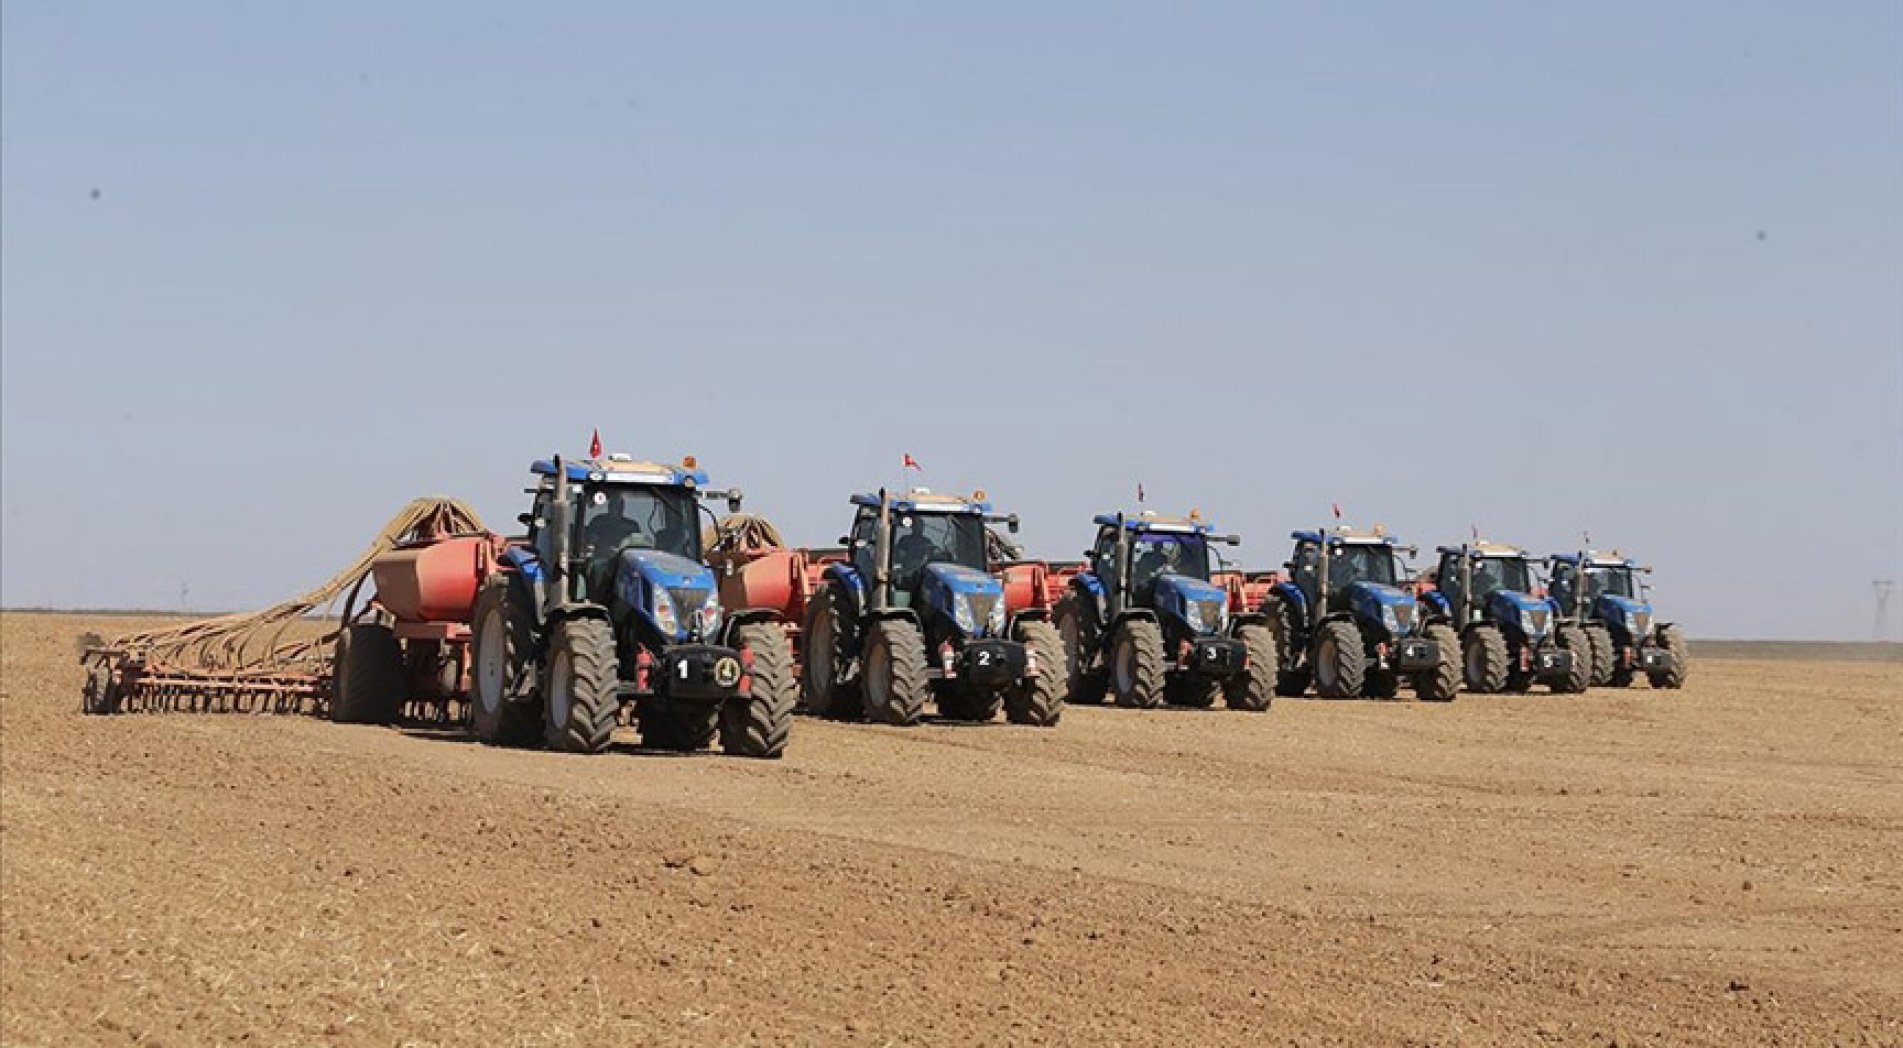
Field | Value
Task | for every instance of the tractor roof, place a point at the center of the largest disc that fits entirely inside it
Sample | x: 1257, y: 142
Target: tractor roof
x: 1484, y: 548
x: 1150, y: 520
x: 1343, y: 535
x: 921, y: 500
x: 624, y: 470
x: 1596, y: 559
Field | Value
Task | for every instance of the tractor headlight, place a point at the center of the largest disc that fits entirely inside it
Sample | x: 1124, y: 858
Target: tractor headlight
x: 1391, y: 618
x: 996, y: 621
x: 1193, y: 616
x: 710, y: 618
x: 662, y: 611
x: 962, y: 615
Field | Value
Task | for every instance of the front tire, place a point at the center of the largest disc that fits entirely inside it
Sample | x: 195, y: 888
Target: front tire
x: 101, y: 696
x: 1341, y: 663
x: 1672, y: 642
x: 1039, y: 699
x: 895, y: 685
x: 1254, y: 688
x: 1290, y: 681
x: 1484, y: 653
x: 581, y: 706
x: 1601, y: 640
x: 502, y: 669
x: 1576, y: 641
x: 759, y: 724
x: 1441, y: 683
x: 368, y: 683
x: 1136, y: 665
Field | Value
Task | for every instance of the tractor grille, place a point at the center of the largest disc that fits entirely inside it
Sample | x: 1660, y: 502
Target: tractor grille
x: 981, y: 605
x: 688, y: 601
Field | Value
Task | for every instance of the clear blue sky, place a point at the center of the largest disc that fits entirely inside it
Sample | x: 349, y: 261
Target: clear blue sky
x: 270, y: 270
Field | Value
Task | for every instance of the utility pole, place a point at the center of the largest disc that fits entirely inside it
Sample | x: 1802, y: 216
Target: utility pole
x: 1884, y: 587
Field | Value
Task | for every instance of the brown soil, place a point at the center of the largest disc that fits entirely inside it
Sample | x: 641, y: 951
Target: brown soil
x: 1718, y: 866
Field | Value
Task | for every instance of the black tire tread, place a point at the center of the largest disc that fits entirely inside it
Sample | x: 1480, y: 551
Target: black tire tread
x: 1351, y: 667
x: 1146, y: 685
x: 910, y: 687
x: 367, y: 682
x: 759, y: 724
x: 1039, y: 700
x: 594, y: 709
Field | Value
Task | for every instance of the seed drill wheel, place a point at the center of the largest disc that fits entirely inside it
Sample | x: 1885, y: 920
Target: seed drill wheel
x: 101, y: 695
x: 581, y: 707
x: 368, y: 682
x: 502, y: 673
x: 758, y: 724
x: 895, y: 685
x: 1136, y: 665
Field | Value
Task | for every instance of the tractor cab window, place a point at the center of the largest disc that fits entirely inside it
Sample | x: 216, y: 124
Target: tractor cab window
x: 1349, y: 563
x: 1103, y: 556
x: 1154, y: 553
x: 1617, y: 581
x: 1562, y: 585
x: 919, y: 539
x: 1305, y: 566
x: 1500, y: 573
x: 639, y: 517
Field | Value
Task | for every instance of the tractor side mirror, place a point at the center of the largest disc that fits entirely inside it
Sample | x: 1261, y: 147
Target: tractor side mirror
x: 734, y: 498
x: 845, y: 541
x: 1011, y: 522
x: 525, y: 519
x: 1230, y: 540
x: 1413, y: 551
x: 1647, y: 569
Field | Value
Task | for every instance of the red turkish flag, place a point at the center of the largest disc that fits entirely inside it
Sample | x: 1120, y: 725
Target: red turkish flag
x: 912, y: 463
x: 594, y: 446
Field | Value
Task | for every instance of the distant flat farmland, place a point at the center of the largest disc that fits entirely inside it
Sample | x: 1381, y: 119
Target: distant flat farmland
x: 1801, y: 650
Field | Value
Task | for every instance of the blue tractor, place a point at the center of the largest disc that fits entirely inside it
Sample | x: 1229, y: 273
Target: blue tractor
x: 1144, y: 622
x: 607, y: 602
x: 1344, y: 621
x: 1615, y: 611
x: 1510, y: 636
x: 912, y: 613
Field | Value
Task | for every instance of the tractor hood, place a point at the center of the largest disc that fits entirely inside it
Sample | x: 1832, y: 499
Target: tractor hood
x: 1625, y: 616
x: 1202, y: 606
x: 1375, y: 604
x: 972, y: 601
x: 676, y: 595
x: 1531, y: 617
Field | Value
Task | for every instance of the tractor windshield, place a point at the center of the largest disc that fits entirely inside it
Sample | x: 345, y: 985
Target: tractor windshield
x: 919, y: 539
x: 1154, y: 552
x: 1350, y: 563
x: 1500, y: 573
x: 639, y: 517
x: 1617, y: 581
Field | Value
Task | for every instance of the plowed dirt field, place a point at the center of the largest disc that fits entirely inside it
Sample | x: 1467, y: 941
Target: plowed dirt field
x: 1717, y: 866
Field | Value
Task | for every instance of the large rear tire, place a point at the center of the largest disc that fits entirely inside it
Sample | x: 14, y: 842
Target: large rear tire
x: 1136, y: 665
x: 758, y: 724
x: 1441, y: 683
x: 1254, y: 688
x: 1575, y: 640
x: 1085, y: 680
x: 828, y: 654
x: 1484, y: 653
x: 1673, y: 643
x: 581, y: 707
x: 1039, y: 699
x: 1601, y: 640
x: 368, y: 683
x: 895, y: 684
x: 502, y: 674
x: 1291, y: 680
x: 1340, y: 663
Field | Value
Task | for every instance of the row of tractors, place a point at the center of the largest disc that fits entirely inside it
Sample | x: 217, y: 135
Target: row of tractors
x: 617, y: 605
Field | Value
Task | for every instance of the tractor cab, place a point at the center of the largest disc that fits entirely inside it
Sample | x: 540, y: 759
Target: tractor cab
x: 934, y: 558
x: 1610, y: 589
x: 1352, y: 572
x: 1492, y: 582
x: 1166, y: 561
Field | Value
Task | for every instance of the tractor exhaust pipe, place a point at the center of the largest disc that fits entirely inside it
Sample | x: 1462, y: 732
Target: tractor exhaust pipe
x: 1120, y: 596
x: 882, y: 555
x: 560, y: 518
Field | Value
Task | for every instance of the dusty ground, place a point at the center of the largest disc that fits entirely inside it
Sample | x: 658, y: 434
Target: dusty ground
x: 1719, y: 866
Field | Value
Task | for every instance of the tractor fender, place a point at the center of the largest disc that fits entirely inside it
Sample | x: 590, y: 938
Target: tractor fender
x: 1089, y: 590
x: 850, y: 583
x: 1128, y: 615
x: 1247, y: 618
x: 1437, y: 605
x: 578, y: 609
x: 1292, y: 595
x: 1027, y: 615
x: 891, y: 614
x: 745, y: 617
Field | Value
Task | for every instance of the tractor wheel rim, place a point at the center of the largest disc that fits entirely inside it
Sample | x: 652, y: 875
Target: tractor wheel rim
x: 560, y: 687
x: 1126, y: 666
x: 1073, y: 649
x: 1476, y: 661
x: 489, y: 669
x: 1325, y: 655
